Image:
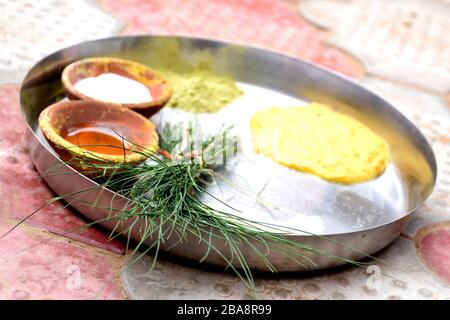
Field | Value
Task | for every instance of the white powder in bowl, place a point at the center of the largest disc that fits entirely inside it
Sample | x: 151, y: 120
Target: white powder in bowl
x: 111, y: 87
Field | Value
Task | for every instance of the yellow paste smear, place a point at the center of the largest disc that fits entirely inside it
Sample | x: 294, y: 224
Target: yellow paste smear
x: 318, y: 140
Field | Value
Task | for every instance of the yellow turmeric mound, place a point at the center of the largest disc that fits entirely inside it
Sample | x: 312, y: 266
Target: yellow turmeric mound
x: 318, y: 140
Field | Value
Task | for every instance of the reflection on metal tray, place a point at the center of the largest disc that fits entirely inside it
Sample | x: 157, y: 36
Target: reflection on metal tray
x: 364, y: 216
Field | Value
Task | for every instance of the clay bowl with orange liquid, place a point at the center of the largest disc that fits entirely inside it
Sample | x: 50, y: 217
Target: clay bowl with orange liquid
x: 90, y: 132
x: 159, y: 87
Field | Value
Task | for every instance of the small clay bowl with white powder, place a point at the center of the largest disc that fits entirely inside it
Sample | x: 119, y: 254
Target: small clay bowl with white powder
x: 117, y: 81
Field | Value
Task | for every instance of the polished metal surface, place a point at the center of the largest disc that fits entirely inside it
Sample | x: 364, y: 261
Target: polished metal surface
x: 358, y: 219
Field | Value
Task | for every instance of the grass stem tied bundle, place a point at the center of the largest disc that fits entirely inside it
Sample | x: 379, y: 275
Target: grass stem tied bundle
x: 164, y: 209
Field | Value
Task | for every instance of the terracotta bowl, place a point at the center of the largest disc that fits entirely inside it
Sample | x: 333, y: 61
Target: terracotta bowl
x: 135, y: 134
x: 159, y: 87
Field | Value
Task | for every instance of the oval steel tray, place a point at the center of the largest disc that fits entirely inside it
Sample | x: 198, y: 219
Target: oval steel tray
x: 363, y: 217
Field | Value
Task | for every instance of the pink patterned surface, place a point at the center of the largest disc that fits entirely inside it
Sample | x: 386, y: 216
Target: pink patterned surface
x: 448, y: 99
x: 22, y: 192
x: 265, y: 23
x: 433, y: 245
x: 34, y: 265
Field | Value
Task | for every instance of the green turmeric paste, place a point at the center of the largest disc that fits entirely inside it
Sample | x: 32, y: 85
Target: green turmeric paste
x: 201, y: 91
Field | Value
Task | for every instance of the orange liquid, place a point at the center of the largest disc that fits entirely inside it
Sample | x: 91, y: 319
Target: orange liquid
x: 97, y: 139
